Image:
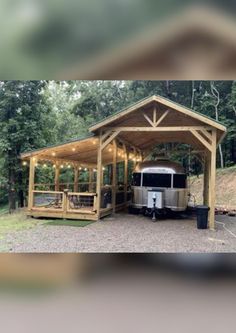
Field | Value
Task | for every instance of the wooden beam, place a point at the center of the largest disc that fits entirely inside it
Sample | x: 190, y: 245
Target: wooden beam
x: 154, y: 115
x: 114, y: 176
x: 65, y: 161
x: 201, y: 139
x: 105, y: 135
x: 31, y: 183
x: 206, y: 181
x: 207, y: 135
x: 127, y: 144
x: 149, y: 120
x: 112, y: 137
x: 159, y: 129
x: 212, y: 182
x: 162, y: 118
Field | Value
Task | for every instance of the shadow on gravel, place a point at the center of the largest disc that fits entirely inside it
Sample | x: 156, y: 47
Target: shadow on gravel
x: 70, y: 223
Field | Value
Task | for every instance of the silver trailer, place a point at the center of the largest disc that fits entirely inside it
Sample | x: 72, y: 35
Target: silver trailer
x: 163, y: 181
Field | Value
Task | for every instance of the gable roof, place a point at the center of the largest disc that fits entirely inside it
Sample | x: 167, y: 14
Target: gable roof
x: 163, y: 101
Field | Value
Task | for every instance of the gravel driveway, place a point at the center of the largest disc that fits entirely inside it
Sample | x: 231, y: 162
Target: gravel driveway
x: 125, y: 233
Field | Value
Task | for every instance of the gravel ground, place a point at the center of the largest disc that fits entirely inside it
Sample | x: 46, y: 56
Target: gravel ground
x: 125, y: 233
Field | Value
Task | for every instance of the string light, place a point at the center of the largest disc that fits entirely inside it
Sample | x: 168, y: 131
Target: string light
x: 85, y: 169
x: 103, y: 168
x: 94, y: 170
x: 110, y: 149
x: 24, y: 163
x: 69, y: 166
x: 80, y: 168
x: 45, y: 165
x: 53, y: 154
x: 62, y: 166
x: 73, y: 149
x: 54, y: 166
x: 36, y: 164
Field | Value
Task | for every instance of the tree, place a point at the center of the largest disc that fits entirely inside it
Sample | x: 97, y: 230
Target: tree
x: 216, y: 95
x: 22, y: 120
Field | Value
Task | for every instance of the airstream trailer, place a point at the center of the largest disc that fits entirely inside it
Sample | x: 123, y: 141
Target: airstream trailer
x: 162, y: 181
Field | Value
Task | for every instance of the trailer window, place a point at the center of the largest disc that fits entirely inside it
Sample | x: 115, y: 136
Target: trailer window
x: 136, y: 179
x: 157, y: 179
x: 179, y: 181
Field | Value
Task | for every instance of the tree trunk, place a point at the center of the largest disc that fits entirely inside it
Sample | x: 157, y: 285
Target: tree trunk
x: 11, y: 192
x: 20, y: 191
x: 216, y: 94
x: 193, y: 93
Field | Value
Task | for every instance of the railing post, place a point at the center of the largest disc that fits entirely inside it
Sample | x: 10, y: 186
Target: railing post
x: 64, y: 203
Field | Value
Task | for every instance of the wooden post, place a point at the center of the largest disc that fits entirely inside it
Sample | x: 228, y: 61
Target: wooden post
x: 90, y: 180
x: 31, y: 183
x: 126, y: 172
x: 114, y: 176
x: 76, y: 178
x: 102, y: 177
x: 212, y: 182
x: 99, y: 176
x: 57, y: 176
x: 206, y: 181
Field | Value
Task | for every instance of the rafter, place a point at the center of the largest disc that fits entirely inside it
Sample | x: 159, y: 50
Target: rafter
x: 149, y: 120
x: 207, y: 135
x: 110, y: 139
x: 155, y: 115
x: 201, y: 139
x: 161, y: 118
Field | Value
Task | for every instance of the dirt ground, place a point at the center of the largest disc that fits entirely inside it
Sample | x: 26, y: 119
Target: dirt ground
x: 225, y: 184
x: 126, y: 233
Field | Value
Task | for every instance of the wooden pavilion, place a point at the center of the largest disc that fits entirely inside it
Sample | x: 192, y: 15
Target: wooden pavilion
x: 129, y: 135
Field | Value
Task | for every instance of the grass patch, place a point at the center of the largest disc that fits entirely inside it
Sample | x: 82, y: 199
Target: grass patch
x: 71, y: 223
x: 15, y: 222
x: 3, y: 209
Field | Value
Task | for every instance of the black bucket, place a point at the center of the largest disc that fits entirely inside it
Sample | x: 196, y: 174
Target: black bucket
x: 202, y: 216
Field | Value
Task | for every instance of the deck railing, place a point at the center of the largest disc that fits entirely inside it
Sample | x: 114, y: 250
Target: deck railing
x: 82, y: 187
x: 46, y: 200
x: 64, y: 201
x: 83, y: 201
